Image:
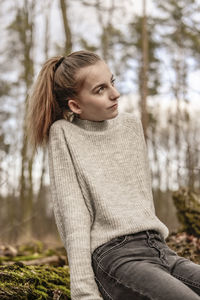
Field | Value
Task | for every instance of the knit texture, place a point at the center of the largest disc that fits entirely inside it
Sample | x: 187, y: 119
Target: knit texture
x: 100, y: 184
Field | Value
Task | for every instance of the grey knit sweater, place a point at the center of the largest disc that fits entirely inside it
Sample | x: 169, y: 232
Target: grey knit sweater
x: 101, y: 188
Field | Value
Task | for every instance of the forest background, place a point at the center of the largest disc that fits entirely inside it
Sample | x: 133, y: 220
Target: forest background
x: 152, y: 47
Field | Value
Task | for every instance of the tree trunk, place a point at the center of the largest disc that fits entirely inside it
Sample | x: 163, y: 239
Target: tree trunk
x: 26, y: 183
x: 67, y: 29
x: 144, y: 71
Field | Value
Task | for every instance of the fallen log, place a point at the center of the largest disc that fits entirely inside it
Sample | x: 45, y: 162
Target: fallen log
x: 21, y: 282
x: 53, y: 260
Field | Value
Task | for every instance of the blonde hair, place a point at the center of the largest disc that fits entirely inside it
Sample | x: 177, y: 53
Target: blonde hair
x: 54, y: 86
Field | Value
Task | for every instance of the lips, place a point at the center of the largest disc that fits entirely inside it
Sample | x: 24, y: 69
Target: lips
x: 114, y: 105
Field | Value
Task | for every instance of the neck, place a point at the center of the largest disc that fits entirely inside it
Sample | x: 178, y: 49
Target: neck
x: 91, y: 125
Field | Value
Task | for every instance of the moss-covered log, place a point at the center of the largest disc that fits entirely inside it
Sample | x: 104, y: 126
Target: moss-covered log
x: 33, y: 253
x: 20, y: 282
x: 187, y: 203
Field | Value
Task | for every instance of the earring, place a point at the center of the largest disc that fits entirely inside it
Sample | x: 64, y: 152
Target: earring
x: 70, y: 116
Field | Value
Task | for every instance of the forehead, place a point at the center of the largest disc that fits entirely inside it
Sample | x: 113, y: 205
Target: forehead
x: 94, y: 74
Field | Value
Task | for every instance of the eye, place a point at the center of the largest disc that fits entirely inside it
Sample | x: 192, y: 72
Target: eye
x: 100, y: 89
x: 113, y: 81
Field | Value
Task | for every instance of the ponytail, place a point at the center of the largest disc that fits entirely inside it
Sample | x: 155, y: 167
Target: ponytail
x: 43, y: 109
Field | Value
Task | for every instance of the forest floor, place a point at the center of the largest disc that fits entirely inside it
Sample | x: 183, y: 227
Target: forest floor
x: 35, y: 271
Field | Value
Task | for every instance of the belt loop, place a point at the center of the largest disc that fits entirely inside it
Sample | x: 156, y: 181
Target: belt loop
x: 148, y: 234
x: 151, y: 233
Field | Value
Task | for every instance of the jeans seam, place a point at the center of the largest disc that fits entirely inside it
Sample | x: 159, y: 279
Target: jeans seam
x: 103, y: 288
x: 127, y: 286
x: 116, y: 246
x: 186, y: 280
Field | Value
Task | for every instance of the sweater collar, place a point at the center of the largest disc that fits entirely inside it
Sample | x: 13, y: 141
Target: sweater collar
x: 94, y: 125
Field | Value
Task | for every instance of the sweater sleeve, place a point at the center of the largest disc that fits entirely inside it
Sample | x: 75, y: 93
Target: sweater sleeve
x: 72, y: 217
x: 145, y: 160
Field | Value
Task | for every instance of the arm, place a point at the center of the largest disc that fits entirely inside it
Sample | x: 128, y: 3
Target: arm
x: 72, y: 217
x: 145, y: 158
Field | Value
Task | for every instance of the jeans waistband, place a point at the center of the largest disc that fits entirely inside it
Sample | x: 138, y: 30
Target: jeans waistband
x: 132, y: 236
x: 145, y: 234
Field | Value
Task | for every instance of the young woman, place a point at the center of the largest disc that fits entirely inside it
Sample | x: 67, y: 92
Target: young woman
x: 101, y: 187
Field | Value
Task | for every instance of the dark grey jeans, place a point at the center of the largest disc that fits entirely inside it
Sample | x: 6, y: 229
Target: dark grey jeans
x: 142, y: 266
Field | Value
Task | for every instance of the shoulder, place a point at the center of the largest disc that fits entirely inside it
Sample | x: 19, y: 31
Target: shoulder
x: 130, y: 120
x: 130, y: 117
x: 59, y: 132
x: 58, y: 126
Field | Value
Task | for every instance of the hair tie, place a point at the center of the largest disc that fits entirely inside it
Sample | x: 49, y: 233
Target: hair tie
x: 58, y: 63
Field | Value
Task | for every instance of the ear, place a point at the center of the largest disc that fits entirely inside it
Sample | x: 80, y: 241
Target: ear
x: 74, y: 106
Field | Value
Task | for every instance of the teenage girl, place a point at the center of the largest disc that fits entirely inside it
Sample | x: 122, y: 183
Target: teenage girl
x: 101, y: 187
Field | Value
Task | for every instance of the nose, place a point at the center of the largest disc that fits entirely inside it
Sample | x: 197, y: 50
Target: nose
x: 114, y: 94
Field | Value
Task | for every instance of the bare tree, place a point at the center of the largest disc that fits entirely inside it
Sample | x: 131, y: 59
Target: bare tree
x: 144, y: 71
x: 23, y: 27
x: 68, y: 35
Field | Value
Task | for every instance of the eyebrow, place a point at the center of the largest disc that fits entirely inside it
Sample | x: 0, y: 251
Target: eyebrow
x: 99, y: 85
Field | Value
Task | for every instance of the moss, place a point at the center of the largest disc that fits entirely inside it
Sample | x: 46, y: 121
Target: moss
x: 33, y: 251
x: 33, y: 282
x: 31, y: 248
x: 50, y: 252
x: 28, y: 257
x: 187, y: 203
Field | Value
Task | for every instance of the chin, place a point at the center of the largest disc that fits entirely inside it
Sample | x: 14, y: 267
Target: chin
x: 114, y: 115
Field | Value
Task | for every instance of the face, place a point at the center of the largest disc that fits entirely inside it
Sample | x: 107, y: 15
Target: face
x: 97, y: 94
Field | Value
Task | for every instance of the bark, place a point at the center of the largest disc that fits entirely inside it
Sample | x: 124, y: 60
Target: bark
x: 68, y: 35
x: 144, y: 71
x: 26, y: 182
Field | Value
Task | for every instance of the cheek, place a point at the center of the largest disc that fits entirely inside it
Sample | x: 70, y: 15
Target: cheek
x: 96, y: 102
x: 100, y: 104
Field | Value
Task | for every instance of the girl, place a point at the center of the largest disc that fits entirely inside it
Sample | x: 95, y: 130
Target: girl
x: 101, y: 187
